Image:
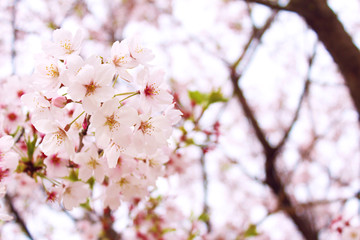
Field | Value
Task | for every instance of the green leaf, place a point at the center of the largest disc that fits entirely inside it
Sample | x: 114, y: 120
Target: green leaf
x: 198, y: 97
x: 31, y: 146
x: 167, y: 230
x: 86, y: 205
x: 251, y: 231
x: 73, y: 176
x: 216, y: 96
x: 204, y: 217
x: 91, y: 182
x: 206, y: 99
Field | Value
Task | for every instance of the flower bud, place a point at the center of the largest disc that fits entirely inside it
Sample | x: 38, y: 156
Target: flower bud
x: 60, y: 102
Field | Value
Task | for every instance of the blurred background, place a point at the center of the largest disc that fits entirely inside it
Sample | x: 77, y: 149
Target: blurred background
x: 268, y: 147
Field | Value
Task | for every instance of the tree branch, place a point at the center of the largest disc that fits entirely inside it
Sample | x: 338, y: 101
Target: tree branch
x: 330, y: 31
x: 205, y: 189
x: 270, y: 4
x: 302, y: 97
x: 302, y: 221
x: 19, y: 220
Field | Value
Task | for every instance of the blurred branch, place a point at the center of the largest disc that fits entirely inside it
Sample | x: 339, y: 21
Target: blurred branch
x: 331, y: 32
x: 107, y: 223
x: 205, y: 189
x: 19, y: 220
x: 14, y: 35
x: 303, y: 221
x: 251, y: 45
x: 302, y: 97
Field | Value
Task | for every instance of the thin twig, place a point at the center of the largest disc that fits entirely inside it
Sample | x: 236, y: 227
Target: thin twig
x: 302, y: 97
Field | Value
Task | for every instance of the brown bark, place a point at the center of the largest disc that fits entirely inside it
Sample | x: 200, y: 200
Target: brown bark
x: 330, y: 31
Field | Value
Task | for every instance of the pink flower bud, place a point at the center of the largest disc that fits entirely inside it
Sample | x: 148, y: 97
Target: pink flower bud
x: 60, y: 102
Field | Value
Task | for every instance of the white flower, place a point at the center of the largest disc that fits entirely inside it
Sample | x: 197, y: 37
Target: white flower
x: 90, y: 164
x: 92, y: 86
x: 56, y: 139
x: 63, y: 44
x: 8, y: 159
x: 121, y: 59
x: 56, y: 166
x: 351, y: 233
x: 47, y: 74
x: 114, y: 123
x: 153, y: 94
x: 75, y: 193
x: 112, y: 196
x: 140, y: 54
x: 151, y: 134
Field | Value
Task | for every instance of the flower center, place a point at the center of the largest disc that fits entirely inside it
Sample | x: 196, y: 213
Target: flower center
x: 150, y: 90
x: 52, y: 71
x: 67, y: 46
x: 12, y: 116
x: 146, y: 128
x: 60, y: 136
x: 90, y: 88
x: 92, y: 163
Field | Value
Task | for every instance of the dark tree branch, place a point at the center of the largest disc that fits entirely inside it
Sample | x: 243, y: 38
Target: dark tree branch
x: 302, y: 220
x: 330, y: 31
x: 319, y: 16
x: 267, y: 3
x: 19, y: 220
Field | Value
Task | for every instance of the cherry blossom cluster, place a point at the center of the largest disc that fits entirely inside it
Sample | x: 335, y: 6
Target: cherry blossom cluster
x: 345, y: 228
x: 92, y: 121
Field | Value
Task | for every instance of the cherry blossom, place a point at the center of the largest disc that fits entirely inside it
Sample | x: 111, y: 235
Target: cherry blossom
x: 113, y: 122
x: 74, y: 193
x: 90, y: 164
x: 122, y: 60
x: 151, y: 133
x: 92, y: 86
x: 8, y: 159
x: 153, y: 94
x: 56, y: 139
x: 351, y: 233
x: 64, y: 44
x: 141, y: 54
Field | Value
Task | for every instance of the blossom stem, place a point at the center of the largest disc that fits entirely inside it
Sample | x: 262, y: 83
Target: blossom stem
x: 67, y: 127
x: 133, y: 94
x: 126, y: 93
x: 115, y: 80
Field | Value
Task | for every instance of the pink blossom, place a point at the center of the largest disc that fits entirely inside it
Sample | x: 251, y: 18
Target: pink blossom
x: 56, y: 166
x: 8, y: 159
x: 151, y: 133
x: 121, y: 59
x: 92, y: 86
x: 63, y: 44
x: 75, y: 193
x: 56, y: 139
x: 60, y: 102
x: 114, y: 123
x: 153, y: 94
x: 139, y: 53
x: 90, y: 164
x: 351, y: 233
